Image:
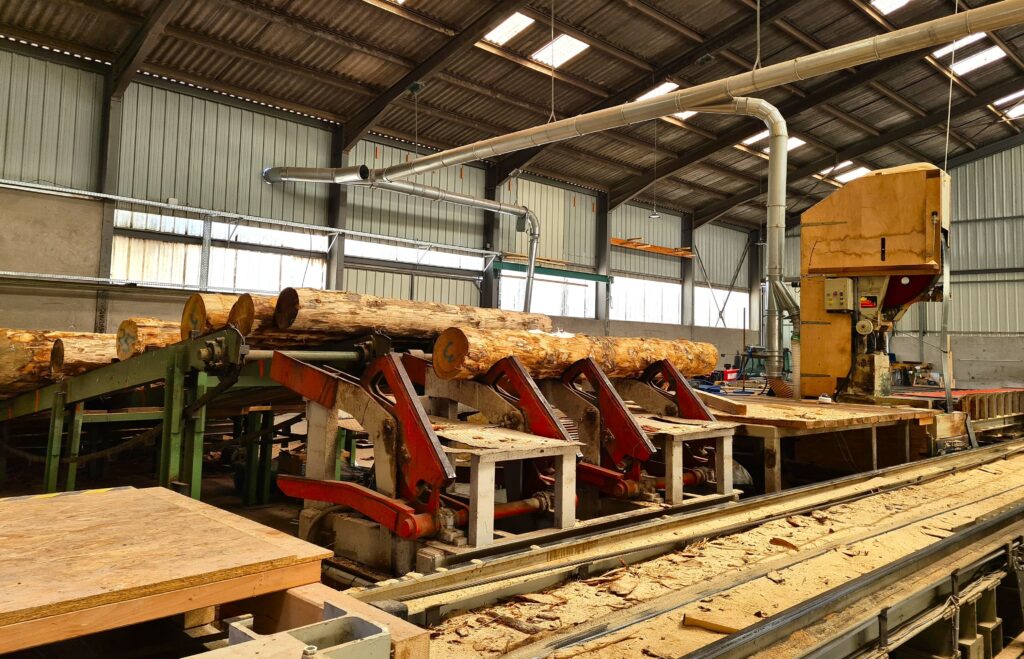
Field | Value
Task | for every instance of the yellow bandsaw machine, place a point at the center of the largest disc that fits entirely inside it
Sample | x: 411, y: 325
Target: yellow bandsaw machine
x: 867, y: 252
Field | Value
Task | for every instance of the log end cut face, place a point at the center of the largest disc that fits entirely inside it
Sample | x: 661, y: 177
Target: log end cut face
x: 450, y: 351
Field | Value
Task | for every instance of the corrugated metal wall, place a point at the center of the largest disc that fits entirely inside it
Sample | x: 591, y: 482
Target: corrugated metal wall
x: 721, y: 249
x: 568, y: 222
x: 628, y: 221
x: 50, y: 122
x: 210, y: 155
x: 388, y: 213
x: 987, y: 234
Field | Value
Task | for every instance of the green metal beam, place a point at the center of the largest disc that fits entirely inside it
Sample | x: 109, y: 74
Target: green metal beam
x: 553, y: 272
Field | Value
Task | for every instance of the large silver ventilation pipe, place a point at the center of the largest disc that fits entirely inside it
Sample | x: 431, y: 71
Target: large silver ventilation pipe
x: 925, y: 35
x: 778, y: 156
x: 530, y: 222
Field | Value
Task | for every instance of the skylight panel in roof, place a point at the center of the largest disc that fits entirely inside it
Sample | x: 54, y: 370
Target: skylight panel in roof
x: 959, y: 43
x: 1012, y: 97
x: 888, y: 6
x: 978, y: 60
x: 660, y: 90
x: 1016, y: 111
x: 684, y: 115
x: 846, y: 177
x: 791, y: 143
x: 509, y: 28
x: 832, y: 170
x: 559, y: 51
x: 756, y: 138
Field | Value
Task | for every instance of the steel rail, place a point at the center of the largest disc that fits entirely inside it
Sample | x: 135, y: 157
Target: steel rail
x: 675, y: 600
x: 762, y: 634
x: 565, y: 552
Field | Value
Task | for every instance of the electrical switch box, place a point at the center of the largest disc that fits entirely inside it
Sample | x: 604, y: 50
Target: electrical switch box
x: 839, y: 294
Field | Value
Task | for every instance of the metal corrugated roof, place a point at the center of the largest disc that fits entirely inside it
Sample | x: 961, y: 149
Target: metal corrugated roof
x: 336, y: 56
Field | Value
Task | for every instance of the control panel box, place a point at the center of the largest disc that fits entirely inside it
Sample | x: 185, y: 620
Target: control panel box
x: 839, y: 294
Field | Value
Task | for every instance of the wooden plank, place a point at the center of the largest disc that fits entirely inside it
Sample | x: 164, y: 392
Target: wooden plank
x: 641, y: 246
x: 721, y: 403
x: 806, y: 415
x: 81, y: 550
x: 71, y: 624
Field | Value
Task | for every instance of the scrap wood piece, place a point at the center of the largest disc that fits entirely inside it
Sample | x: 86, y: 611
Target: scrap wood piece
x: 721, y: 403
x: 521, y: 626
x: 638, y: 244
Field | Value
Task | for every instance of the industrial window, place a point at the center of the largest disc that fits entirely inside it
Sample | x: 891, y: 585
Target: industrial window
x: 645, y: 300
x: 412, y: 255
x: 719, y: 307
x: 554, y: 296
x: 158, y: 249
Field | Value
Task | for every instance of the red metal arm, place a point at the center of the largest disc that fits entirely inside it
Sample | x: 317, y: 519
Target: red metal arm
x: 396, y: 515
x: 512, y: 382
x: 626, y: 444
x: 664, y: 373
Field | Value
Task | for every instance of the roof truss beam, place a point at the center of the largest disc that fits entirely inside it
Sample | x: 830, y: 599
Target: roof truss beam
x: 142, y: 44
x: 364, y: 119
x: 980, y: 101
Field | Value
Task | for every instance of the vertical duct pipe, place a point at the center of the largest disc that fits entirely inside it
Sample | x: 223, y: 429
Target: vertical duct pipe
x: 778, y: 150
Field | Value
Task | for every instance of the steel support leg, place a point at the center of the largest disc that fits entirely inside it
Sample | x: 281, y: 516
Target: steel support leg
x: 266, y: 451
x: 53, y: 443
x: 481, y: 502
x: 170, y: 446
x: 565, y: 491
x: 723, y: 465
x: 195, y: 431
x: 253, y: 421
x: 74, y: 444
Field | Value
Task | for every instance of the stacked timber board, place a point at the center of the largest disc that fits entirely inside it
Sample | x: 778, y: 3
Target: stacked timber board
x: 82, y: 562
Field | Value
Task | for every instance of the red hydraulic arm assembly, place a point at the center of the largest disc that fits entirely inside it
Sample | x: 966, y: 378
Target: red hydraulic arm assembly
x: 662, y: 389
x: 617, y: 445
x: 410, y: 467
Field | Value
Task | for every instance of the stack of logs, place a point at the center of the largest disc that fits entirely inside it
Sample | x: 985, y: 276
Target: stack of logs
x: 469, y: 340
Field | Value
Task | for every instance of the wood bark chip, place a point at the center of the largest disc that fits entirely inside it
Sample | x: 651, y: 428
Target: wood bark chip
x: 73, y: 355
x: 341, y: 315
x: 207, y: 312
x: 462, y: 353
x: 135, y: 335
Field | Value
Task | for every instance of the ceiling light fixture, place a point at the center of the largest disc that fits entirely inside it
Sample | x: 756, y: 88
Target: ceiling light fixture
x: 558, y: 52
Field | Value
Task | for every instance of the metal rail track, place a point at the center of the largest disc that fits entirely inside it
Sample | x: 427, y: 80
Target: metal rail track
x: 580, y: 553
x: 665, y: 604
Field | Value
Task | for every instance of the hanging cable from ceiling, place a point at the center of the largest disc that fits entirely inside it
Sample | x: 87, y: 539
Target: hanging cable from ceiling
x: 655, y: 215
x: 949, y: 101
x: 551, y: 62
x: 757, y: 58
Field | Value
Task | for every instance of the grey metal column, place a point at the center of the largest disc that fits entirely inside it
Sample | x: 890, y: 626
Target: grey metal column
x: 686, y: 269
x: 337, y: 212
x: 603, y: 254
x: 755, y: 274
x: 109, y: 168
x: 489, y: 285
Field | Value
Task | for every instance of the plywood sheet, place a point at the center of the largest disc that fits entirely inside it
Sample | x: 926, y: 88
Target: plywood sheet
x: 81, y: 550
